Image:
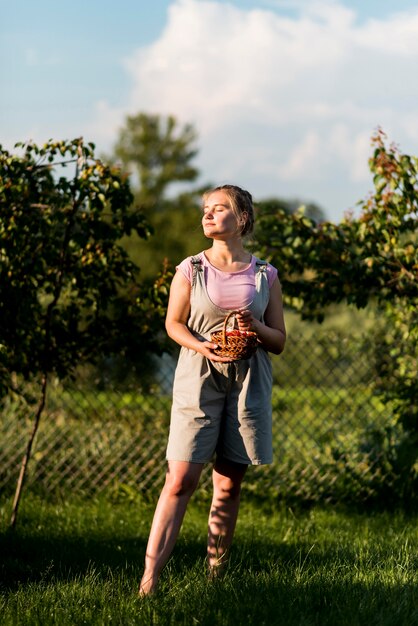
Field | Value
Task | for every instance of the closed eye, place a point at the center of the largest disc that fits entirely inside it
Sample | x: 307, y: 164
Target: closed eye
x: 216, y: 207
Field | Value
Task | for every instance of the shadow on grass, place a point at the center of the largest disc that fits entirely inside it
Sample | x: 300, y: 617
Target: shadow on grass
x: 31, y: 559
x: 26, y: 558
x: 268, y: 582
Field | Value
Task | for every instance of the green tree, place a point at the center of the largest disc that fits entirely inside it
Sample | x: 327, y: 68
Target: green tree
x: 273, y: 205
x: 372, y: 257
x: 159, y: 155
x: 369, y: 259
x: 68, y: 291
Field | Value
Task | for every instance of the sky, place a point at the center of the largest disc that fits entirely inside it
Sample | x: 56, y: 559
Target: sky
x: 284, y: 94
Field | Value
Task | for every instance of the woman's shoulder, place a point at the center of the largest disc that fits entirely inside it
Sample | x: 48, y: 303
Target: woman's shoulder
x: 260, y: 262
x: 272, y: 272
x: 186, y: 266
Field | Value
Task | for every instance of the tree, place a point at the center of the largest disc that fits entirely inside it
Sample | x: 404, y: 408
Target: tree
x: 372, y: 258
x: 159, y: 155
x: 68, y: 291
x: 272, y: 205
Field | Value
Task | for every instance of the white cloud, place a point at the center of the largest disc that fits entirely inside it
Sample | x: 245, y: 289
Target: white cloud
x: 290, y: 100
x: 394, y: 36
x: 305, y: 158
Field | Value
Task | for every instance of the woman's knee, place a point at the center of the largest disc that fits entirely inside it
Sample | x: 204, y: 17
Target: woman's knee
x: 227, y: 488
x: 227, y: 480
x: 181, y: 482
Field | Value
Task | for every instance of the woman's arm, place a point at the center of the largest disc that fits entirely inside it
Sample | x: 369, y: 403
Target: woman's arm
x: 176, y: 320
x: 271, y: 333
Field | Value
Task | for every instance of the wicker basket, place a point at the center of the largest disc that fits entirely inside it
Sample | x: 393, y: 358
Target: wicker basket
x: 235, y: 344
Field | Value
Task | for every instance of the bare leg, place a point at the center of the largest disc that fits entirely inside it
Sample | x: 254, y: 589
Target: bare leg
x: 227, y: 479
x: 181, y: 481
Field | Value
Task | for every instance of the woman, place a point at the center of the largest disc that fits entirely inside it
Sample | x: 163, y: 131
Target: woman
x: 221, y: 408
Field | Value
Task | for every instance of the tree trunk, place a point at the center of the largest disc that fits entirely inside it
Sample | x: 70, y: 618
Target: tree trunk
x: 26, y: 457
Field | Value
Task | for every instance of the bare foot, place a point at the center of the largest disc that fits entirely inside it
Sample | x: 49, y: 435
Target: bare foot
x: 217, y: 572
x: 217, y: 567
x: 147, y: 586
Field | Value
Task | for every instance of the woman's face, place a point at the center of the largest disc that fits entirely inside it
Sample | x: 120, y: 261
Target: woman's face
x: 219, y: 220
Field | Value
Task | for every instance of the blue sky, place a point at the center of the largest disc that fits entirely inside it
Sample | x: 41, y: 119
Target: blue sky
x: 284, y: 94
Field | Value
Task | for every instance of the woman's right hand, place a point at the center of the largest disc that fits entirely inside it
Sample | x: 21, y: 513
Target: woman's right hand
x: 207, y: 349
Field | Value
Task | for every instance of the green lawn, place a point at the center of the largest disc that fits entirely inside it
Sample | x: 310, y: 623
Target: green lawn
x: 79, y: 562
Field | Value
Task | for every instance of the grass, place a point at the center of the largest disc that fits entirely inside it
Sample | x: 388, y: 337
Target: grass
x: 79, y: 562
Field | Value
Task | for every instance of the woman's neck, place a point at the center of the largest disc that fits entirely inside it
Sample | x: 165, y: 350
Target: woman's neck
x: 228, y: 254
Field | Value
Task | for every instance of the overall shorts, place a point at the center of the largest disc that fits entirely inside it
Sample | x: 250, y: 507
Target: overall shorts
x: 221, y: 408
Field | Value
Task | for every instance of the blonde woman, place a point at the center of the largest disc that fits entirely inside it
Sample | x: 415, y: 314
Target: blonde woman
x: 221, y: 410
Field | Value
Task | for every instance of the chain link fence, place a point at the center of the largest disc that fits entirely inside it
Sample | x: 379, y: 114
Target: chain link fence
x: 327, y: 430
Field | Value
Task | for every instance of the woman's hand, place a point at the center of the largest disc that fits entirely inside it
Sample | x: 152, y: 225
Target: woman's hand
x: 272, y: 332
x: 207, y: 349
x: 245, y: 319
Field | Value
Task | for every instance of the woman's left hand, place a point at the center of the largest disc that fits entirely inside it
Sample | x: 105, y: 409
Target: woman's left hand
x: 245, y: 319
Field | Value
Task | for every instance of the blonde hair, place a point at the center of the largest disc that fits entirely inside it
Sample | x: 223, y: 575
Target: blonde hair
x: 241, y: 202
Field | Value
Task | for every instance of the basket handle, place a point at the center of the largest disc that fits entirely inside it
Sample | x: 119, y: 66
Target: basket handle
x: 226, y: 320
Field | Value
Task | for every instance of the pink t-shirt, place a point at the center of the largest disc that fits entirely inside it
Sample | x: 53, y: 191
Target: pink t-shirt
x: 228, y: 290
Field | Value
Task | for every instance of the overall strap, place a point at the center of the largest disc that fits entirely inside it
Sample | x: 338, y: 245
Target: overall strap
x: 261, y: 277
x: 197, y: 267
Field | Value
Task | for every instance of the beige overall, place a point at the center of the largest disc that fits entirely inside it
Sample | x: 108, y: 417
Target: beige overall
x: 221, y: 407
